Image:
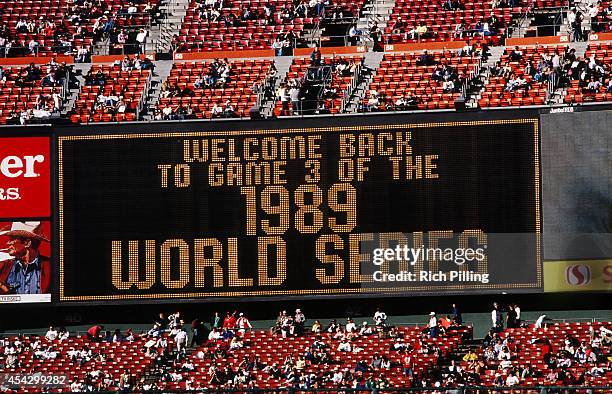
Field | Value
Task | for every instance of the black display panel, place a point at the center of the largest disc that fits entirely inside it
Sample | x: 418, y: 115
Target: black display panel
x: 300, y: 212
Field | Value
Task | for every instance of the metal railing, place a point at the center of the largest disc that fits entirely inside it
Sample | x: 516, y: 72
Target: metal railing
x: 143, y: 97
x: 348, y: 92
x: 132, y: 48
x: 521, y: 20
x: 26, y: 51
x: 402, y: 36
x: 569, y: 320
x: 167, y: 29
x: 473, y: 74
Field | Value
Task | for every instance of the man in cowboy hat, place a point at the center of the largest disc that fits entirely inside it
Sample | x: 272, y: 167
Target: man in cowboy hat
x: 27, y: 271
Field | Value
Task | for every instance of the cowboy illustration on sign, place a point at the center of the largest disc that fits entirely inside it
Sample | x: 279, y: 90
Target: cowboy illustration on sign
x: 25, y: 271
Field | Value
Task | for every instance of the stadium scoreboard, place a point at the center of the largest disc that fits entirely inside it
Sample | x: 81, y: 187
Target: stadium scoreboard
x: 300, y: 212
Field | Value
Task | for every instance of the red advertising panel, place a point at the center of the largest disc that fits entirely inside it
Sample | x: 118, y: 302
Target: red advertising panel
x: 25, y: 168
x: 25, y: 227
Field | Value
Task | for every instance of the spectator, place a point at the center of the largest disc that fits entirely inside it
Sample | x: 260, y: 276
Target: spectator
x: 344, y: 346
x: 141, y: 39
x: 94, y: 333
x: 496, y: 314
x: 243, y: 324
x: 180, y: 339
x: 376, y: 36
x: 196, y: 332
x: 407, y: 364
x: 380, y: 317
x: 541, y: 320
x: 51, y: 334
x: 456, y: 314
x: 299, y: 321
x: 433, y: 325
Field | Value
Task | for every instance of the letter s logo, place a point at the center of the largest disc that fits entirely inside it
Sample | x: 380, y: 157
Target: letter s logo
x: 578, y: 275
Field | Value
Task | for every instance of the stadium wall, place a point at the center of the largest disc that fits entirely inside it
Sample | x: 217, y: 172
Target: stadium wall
x: 577, y: 185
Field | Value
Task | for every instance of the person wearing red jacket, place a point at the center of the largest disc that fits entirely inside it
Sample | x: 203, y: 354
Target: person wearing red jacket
x: 230, y: 321
x: 27, y: 271
x: 94, y: 333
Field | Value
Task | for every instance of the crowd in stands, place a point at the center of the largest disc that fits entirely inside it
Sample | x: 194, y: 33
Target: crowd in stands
x: 227, y: 24
x: 228, y: 353
x: 450, y: 19
x: 588, y: 78
x: 113, y: 92
x: 31, y: 92
x: 526, y: 74
x: 421, y: 81
x: 601, y: 16
x: 41, y: 27
x: 341, y: 355
x: 216, y: 89
x: 598, y: 12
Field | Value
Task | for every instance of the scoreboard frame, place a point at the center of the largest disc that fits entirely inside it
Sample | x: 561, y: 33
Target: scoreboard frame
x: 238, y: 128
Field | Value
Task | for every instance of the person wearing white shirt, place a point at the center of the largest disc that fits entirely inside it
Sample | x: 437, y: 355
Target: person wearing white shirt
x: 433, y: 325
x: 141, y: 37
x: 512, y: 380
x: 448, y: 86
x: 243, y: 323
x: 9, y: 350
x: 365, y: 329
x: 51, y: 335
x: 380, y: 317
x: 338, y: 376
x: 504, y: 354
x: 63, y: 335
x: 350, y: 326
x: 373, y: 103
x: 344, y: 346
x: 593, y: 11
x: 496, y: 316
x: 571, y: 17
x: 215, y: 335
x: 161, y: 343
x: 217, y: 110
x: 76, y: 386
x: 72, y: 353
x: 538, y: 323
x: 181, y: 340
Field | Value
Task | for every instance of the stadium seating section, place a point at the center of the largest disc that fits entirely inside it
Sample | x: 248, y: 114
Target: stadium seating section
x: 17, y: 96
x: 118, y: 358
x: 130, y: 85
x: 526, y: 343
x: 496, y: 93
x: 577, y: 94
x: 200, y: 33
x: 238, y: 90
x: 272, y: 350
x: 40, y: 28
x: 603, y: 18
x: 399, y: 75
x: 63, y: 26
x: 529, y: 353
x: 441, y: 22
